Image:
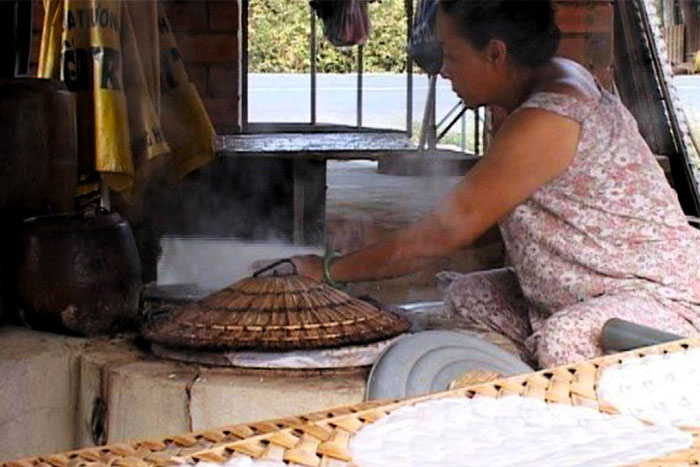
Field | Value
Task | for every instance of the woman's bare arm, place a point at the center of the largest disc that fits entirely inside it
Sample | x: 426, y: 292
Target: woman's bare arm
x: 532, y: 148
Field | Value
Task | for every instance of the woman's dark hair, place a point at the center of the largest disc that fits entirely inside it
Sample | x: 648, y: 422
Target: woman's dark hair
x: 526, y: 26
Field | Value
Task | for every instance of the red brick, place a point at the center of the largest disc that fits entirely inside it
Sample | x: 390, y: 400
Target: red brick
x: 591, y: 49
x: 223, y: 81
x: 37, y: 16
x: 222, y: 112
x: 225, y: 129
x: 36, y: 47
x: 606, y: 77
x: 594, y: 51
x: 186, y: 16
x: 573, y: 46
x: 223, y: 16
x: 209, y: 48
x: 585, y: 17
x: 199, y: 75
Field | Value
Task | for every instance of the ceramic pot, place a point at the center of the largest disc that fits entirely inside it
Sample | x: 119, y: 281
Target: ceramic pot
x: 79, y: 274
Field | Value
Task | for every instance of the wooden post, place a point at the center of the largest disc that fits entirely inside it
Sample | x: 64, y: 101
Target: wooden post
x: 675, y: 43
x: 691, y: 19
x: 641, y: 91
x: 428, y: 130
x: 309, y: 201
x: 105, y: 200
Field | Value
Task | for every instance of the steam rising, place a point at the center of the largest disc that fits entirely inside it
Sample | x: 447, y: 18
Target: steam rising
x: 213, y: 243
x: 214, y: 263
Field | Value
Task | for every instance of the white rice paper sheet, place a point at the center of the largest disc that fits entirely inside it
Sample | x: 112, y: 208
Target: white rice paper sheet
x: 510, y: 431
x: 662, y: 389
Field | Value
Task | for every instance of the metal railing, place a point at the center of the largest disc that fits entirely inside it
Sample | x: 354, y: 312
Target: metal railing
x: 428, y: 138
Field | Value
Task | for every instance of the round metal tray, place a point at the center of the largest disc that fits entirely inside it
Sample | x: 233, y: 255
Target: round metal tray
x: 429, y: 361
x: 363, y: 355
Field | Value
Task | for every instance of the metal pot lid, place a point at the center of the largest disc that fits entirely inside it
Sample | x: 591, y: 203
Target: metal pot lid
x: 184, y: 292
x: 429, y: 361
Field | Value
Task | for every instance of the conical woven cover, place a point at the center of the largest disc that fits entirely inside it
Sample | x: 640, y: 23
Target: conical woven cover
x: 275, y: 313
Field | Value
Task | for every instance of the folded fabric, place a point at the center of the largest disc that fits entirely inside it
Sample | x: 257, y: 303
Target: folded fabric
x: 136, y: 106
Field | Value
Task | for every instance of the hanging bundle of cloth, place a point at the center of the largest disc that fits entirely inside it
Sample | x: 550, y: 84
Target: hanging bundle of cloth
x: 137, y: 109
x: 345, y: 22
x: 423, y: 46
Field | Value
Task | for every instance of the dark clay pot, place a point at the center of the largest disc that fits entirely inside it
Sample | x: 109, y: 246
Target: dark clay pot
x: 79, y: 274
x: 38, y: 163
x: 38, y: 146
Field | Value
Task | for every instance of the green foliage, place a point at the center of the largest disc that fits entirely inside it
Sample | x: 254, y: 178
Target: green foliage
x: 279, y: 39
x: 278, y: 32
x: 386, y: 48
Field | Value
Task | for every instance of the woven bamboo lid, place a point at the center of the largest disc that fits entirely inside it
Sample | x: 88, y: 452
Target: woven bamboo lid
x: 275, y: 313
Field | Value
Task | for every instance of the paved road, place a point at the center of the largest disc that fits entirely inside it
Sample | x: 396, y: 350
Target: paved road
x: 286, y: 98
x: 689, y: 91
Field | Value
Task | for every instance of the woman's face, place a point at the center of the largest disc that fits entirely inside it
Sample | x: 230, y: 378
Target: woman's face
x: 468, y: 69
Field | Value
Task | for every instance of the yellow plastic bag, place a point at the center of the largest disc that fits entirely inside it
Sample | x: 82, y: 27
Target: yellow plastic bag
x: 110, y: 54
x: 185, y: 121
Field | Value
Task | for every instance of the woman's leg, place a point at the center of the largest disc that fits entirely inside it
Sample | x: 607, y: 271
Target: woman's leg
x: 490, y: 300
x: 573, y: 334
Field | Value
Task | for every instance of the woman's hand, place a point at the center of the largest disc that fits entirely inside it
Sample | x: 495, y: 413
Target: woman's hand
x: 309, y: 266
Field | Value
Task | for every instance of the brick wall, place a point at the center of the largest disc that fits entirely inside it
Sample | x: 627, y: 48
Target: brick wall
x: 587, y: 35
x: 37, y: 23
x: 208, y: 33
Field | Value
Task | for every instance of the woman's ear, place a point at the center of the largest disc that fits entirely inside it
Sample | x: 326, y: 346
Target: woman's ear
x: 497, y: 52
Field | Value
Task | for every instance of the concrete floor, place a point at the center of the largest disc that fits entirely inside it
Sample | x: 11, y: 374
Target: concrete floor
x: 62, y: 393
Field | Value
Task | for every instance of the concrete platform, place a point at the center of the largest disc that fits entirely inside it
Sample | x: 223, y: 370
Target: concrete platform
x: 315, y: 146
x: 62, y: 393
x: 420, y: 163
x: 39, y: 399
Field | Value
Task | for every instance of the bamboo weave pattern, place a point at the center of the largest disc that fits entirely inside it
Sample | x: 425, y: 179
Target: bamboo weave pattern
x: 275, y: 313
x: 322, y: 439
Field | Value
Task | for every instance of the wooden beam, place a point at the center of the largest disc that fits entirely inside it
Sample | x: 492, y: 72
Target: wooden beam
x: 643, y: 90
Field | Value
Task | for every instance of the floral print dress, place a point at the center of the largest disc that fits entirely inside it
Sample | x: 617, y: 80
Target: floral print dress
x: 605, y: 239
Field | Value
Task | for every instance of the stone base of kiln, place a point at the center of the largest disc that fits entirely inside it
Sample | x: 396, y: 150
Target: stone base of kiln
x: 61, y: 393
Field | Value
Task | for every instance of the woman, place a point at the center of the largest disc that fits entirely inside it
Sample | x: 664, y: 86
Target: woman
x: 591, y: 227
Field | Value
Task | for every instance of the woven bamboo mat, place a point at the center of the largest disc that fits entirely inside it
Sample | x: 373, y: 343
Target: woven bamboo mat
x: 275, y: 313
x: 322, y: 439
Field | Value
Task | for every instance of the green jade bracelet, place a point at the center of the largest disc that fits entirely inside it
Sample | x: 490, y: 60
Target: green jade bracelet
x: 327, y: 261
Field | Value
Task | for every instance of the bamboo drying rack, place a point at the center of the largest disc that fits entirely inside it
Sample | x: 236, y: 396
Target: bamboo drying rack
x: 322, y: 439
